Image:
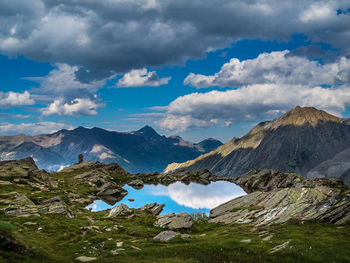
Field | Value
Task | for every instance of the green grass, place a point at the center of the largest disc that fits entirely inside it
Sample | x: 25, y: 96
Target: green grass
x: 62, y: 239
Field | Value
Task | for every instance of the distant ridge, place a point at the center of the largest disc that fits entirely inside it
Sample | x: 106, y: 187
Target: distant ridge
x: 305, y: 140
x: 143, y: 150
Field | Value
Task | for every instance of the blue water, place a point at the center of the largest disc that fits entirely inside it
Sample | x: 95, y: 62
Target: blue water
x: 178, y: 197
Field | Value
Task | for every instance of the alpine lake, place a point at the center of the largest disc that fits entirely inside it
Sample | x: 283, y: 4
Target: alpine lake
x: 178, y: 197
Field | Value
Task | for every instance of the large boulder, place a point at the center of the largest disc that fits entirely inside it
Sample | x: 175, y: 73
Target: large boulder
x: 54, y: 206
x: 276, y: 197
x: 175, y: 221
x: 111, y: 193
x: 111, y: 188
x: 120, y: 210
x: 22, y: 206
x: 18, y: 168
x: 153, y: 208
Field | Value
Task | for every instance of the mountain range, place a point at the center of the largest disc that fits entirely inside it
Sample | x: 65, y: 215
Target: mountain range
x: 137, y: 151
x: 304, y: 140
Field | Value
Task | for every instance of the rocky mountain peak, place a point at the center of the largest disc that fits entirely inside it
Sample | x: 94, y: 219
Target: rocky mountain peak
x: 147, y: 131
x: 302, y: 115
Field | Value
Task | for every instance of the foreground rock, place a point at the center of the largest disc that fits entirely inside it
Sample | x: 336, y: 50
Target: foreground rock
x: 175, y: 221
x: 85, y: 259
x: 153, y: 208
x: 276, y: 197
x: 120, y: 210
x: 166, y: 235
x: 22, y: 206
x: 137, y: 184
x: 111, y: 193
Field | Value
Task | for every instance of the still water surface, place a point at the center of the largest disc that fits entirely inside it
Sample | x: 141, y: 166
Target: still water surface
x: 178, y: 197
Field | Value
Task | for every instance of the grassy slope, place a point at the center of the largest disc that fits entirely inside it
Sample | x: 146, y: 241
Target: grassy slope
x: 61, y: 239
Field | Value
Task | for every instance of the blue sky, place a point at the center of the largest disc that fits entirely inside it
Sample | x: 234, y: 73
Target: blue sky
x: 120, y: 65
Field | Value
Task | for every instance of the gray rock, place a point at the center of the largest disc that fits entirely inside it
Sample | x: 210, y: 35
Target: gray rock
x: 279, y: 197
x: 120, y: 210
x: 279, y: 247
x: 85, y: 259
x: 112, y: 189
x: 166, y: 235
x: 137, y: 184
x: 175, y: 221
x: 111, y: 193
x: 153, y: 208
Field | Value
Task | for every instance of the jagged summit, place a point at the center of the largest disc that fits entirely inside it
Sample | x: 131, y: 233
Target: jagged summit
x: 147, y: 131
x: 302, y: 115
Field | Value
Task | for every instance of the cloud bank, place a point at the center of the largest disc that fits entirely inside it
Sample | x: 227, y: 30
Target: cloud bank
x: 117, y: 36
x: 275, y: 68
x: 266, y: 87
x: 32, y: 128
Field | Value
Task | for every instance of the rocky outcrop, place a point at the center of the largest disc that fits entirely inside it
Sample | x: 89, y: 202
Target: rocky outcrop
x: 111, y: 193
x: 137, y: 184
x: 188, y: 176
x: 175, y: 221
x: 21, y: 168
x: 21, y: 205
x: 81, y: 166
x: 153, y: 208
x: 120, y: 210
x: 276, y: 197
x: 54, y: 206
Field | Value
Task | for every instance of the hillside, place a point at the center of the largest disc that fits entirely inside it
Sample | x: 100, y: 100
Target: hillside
x: 43, y: 218
x: 305, y: 140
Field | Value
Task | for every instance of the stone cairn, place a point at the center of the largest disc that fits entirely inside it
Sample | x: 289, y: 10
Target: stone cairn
x: 80, y: 158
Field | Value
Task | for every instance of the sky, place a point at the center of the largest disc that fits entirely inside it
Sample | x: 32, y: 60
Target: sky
x: 198, y: 69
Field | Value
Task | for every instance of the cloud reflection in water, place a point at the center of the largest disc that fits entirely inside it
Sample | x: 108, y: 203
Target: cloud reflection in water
x: 178, y: 197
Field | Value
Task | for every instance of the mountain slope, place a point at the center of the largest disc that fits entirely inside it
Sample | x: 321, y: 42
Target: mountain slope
x: 300, y: 141
x: 138, y: 151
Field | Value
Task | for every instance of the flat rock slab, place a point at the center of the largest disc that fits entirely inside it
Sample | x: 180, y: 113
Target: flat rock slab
x: 279, y: 247
x: 166, y: 235
x: 175, y: 221
x: 85, y: 259
x: 276, y: 197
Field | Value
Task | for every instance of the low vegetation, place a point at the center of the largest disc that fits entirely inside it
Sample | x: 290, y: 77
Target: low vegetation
x: 59, y: 238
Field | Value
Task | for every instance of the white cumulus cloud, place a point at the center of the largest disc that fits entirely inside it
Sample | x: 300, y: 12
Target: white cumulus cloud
x: 204, y: 196
x: 140, y: 78
x: 250, y: 103
x: 11, y: 99
x: 79, y: 106
x: 274, y: 67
